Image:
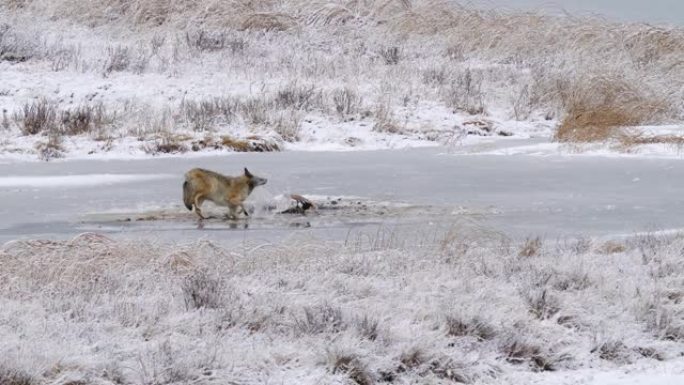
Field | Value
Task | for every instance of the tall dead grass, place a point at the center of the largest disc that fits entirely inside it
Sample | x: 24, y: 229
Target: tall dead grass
x: 596, y: 76
x: 600, y: 109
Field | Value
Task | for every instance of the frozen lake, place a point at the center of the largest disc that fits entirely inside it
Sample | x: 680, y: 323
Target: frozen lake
x: 550, y: 196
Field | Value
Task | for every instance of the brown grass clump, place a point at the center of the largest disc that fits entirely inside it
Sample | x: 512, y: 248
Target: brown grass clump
x: 598, y: 109
x: 531, y: 248
x: 235, y: 144
x: 636, y: 138
x: 612, y: 247
x: 250, y: 144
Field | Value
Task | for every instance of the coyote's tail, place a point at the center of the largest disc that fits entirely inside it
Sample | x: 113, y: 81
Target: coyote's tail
x: 187, y: 195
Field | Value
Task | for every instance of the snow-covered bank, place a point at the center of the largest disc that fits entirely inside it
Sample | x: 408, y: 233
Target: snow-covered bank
x: 146, y: 79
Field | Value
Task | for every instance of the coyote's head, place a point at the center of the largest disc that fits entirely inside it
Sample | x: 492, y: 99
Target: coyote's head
x: 254, y: 180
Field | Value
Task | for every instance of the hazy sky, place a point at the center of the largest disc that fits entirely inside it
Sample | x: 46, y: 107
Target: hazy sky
x: 651, y: 11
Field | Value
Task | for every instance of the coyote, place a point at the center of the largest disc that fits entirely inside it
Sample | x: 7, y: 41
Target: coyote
x: 231, y: 191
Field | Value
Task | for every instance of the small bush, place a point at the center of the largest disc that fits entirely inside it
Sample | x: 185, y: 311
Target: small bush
x: 412, y: 359
x: 613, y: 350
x: 319, y: 319
x: 288, y: 126
x: 118, y: 59
x: 449, y: 369
x: 204, y: 115
x: 37, y: 117
x: 352, y: 366
x: 15, y: 377
x: 465, y: 93
x: 367, y: 327
x: 517, y: 351
x: 531, y: 247
x: 391, y: 55
x: 203, y: 40
x: 201, y: 290
x: 51, y: 148
x: 85, y: 119
x: 541, y: 304
x: 298, y: 97
x: 168, y: 144
x: 474, y: 327
x: 256, y: 111
x: 346, y: 101
x: 13, y: 47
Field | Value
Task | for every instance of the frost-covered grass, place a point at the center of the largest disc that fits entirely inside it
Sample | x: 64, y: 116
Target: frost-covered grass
x: 321, y: 74
x: 469, y: 306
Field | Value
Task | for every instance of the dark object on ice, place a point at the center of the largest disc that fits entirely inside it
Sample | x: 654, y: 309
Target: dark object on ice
x: 301, y: 205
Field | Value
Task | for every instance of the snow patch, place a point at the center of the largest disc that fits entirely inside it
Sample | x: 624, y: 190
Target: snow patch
x: 76, y: 180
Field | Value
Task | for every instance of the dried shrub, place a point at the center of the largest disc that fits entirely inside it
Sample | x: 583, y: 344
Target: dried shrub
x: 575, y: 280
x: 234, y: 144
x: 518, y: 351
x: 412, y: 359
x: 298, y: 97
x: 391, y: 55
x: 256, y: 111
x: 201, y: 290
x: 633, y: 138
x: 599, y: 108
x: 451, y: 370
x: 208, y: 41
x: 367, y: 327
x: 612, y: 247
x: 205, y: 114
x: 531, y: 247
x: 168, y: 144
x: 15, y: 48
x: 346, y: 101
x: 85, y: 119
x: 613, y: 350
x: 474, y: 327
x: 465, y: 93
x: 51, y: 148
x: 37, y: 117
x: 541, y: 304
x: 319, y: 319
x: 288, y: 126
x: 384, y: 122
x: 352, y: 366
x: 15, y: 377
x: 118, y: 59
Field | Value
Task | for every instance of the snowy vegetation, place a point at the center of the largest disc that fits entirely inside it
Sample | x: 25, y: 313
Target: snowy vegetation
x: 160, y: 76
x: 467, y: 306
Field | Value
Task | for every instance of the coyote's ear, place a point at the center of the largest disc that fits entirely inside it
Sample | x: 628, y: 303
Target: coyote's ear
x: 247, y: 173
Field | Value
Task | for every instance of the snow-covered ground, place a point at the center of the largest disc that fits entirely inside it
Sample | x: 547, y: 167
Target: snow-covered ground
x: 465, y: 307
x: 102, y: 85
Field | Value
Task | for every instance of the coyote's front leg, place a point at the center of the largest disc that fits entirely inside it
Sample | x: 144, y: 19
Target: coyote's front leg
x: 198, y: 203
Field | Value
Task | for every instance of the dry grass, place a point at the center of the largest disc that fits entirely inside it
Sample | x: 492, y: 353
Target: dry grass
x: 413, y: 316
x: 635, y: 138
x: 37, y: 117
x: 297, y: 60
x: 600, y: 109
x: 532, y: 247
x: 235, y: 144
